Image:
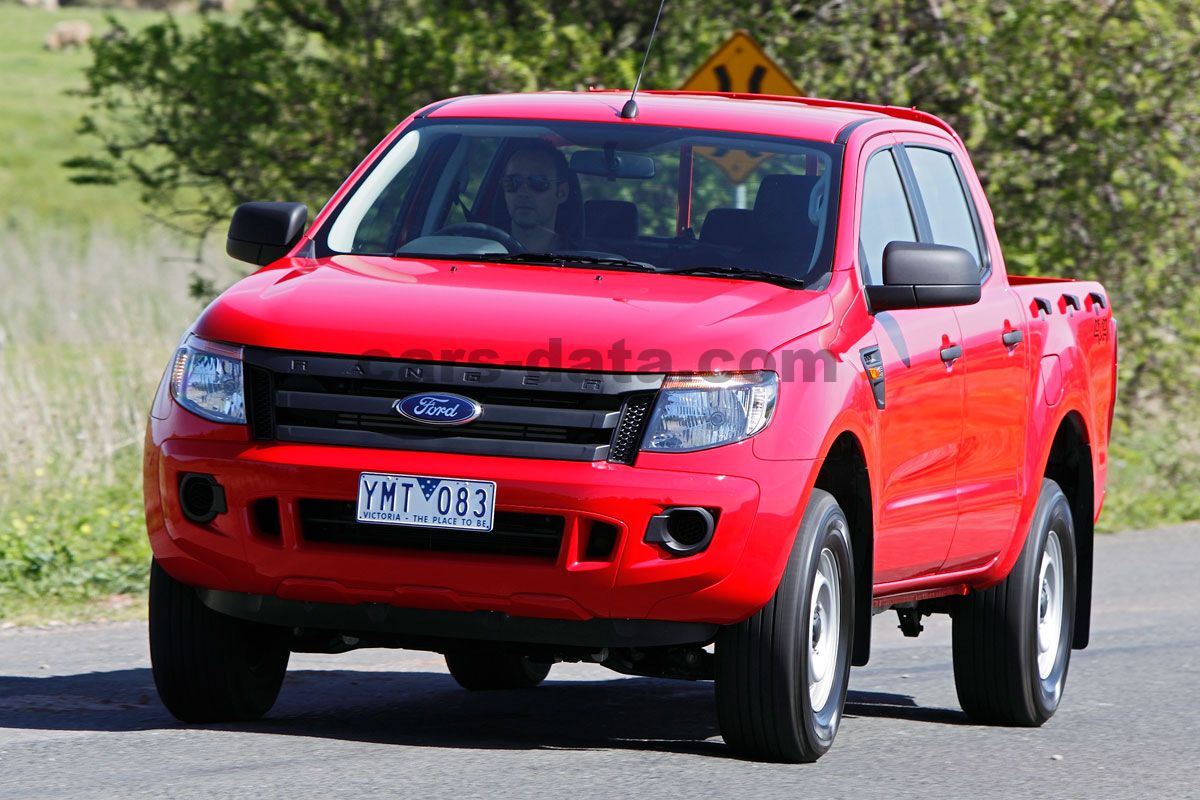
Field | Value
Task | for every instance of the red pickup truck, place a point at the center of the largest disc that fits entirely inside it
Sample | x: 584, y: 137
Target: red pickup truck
x: 689, y: 393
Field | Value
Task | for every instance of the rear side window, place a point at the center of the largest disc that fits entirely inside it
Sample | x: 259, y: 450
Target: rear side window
x: 945, y: 199
x: 886, y: 216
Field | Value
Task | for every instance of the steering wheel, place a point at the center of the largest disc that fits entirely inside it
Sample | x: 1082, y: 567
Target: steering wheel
x: 481, y: 230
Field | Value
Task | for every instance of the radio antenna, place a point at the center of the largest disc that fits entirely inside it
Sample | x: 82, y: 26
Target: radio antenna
x: 630, y: 109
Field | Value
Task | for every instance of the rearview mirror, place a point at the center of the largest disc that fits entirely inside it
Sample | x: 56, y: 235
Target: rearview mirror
x: 925, y: 276
x: 260, y: 233
x: 611, y: 164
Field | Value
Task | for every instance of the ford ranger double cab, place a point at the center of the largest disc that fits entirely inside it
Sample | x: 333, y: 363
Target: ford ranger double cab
x: 688, y: 393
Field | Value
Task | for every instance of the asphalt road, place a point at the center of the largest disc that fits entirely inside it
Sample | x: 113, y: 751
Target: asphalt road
x: 79, y: 718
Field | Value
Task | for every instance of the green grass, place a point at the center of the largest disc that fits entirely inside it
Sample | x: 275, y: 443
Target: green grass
x: 65, y: 550
x: 38, y: 127
x: 1154, y: 475
x: 87, y: 325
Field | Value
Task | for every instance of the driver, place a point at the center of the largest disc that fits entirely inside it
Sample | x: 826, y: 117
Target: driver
x: 535, y: 185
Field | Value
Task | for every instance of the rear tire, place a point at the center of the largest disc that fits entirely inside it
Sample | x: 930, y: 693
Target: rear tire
x: 782, y: 675
x: 209, y: 667
x: 1012, y: 642
x: 490, y: 670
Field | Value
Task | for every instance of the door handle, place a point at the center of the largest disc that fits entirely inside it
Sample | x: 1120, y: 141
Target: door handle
x: 1012, y: 338
x: 951, y: 353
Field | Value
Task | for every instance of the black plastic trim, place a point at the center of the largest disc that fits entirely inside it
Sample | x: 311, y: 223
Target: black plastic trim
x: 263, y: 232
x: 658, y: 530
x: 260, y: 404
x: 519, y: 415
x: 436, y: 374
x: 843, y: 136
x: 442, y: 104
x: 1012, y: 338
x: 217, y: 506
x: 513, y: 533
x: 635, y: 418
x: 463, y: 445
x: 872, y: 359
x: 908, y: 177
x: 486, y: 626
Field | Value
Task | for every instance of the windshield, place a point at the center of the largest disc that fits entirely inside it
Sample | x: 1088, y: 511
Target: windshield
x: 609, y: 195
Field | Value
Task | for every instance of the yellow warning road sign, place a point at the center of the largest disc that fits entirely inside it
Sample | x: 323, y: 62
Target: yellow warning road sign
x: 739, y: 65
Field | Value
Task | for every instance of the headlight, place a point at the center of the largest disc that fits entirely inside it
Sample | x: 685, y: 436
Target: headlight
x: 206, y: 379
x: 695, y: 412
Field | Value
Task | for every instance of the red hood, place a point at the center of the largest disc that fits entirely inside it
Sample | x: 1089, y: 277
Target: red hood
x: 525, y: 315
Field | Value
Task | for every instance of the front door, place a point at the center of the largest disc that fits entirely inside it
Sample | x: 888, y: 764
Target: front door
x: 921, y: 423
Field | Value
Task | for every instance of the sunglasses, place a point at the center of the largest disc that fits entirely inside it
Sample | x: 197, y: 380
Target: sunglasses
x: 536, y: 183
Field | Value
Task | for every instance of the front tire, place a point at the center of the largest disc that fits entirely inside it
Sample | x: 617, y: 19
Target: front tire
x: 209, y: 667
x: 1012, y: 642
x: 782, y: 675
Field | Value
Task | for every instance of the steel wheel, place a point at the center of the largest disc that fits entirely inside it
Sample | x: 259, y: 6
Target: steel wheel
x: 824, y: 626
x: 1050, y: 605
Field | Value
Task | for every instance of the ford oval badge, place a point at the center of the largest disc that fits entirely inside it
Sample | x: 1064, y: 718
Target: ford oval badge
x: 438, y: 409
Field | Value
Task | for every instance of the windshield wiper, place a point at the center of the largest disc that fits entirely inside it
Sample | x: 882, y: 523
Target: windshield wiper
x: 561, y: 260
x: 745, y: 274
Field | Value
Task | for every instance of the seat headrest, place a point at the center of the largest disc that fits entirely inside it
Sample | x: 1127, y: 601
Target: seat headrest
x: 776, y: 191
x: 610, y: 219
x: 726, y: 226
x: 781, y: 211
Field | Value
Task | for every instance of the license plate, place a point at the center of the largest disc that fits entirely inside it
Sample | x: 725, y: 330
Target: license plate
x: 426, y: 501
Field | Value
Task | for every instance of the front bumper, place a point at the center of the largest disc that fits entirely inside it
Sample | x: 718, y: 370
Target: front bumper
x: 760, y: 505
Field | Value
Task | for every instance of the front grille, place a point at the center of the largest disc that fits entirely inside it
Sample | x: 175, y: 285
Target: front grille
x: 572, y: 416
x: 513, y: 533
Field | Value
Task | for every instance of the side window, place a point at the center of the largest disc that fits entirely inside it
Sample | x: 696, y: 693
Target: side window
x: 945, y: 199
x: 885, y: 214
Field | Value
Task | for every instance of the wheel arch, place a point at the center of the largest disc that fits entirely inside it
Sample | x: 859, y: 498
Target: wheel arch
x: 1069, y: 464
x: 844, y: 475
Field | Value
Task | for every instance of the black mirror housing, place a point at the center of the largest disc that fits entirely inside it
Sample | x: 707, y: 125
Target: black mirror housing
x: 612, y: 164
x: 925, y: 276
x: 260, y: 233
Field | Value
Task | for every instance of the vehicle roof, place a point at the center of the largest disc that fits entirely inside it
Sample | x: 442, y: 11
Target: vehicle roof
x: 797, y: 117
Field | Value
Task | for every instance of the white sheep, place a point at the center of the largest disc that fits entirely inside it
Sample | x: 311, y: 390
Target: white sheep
x: 68, y: 33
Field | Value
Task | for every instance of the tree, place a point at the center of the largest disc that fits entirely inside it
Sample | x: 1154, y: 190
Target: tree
x: 1081, y: 115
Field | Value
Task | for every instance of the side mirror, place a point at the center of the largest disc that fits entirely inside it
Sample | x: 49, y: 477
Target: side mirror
x: 260, y: 233
x: 925, y: 276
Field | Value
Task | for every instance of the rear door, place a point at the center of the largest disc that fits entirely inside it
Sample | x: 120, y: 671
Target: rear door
x: 993, y: 362
x: 921, y: 423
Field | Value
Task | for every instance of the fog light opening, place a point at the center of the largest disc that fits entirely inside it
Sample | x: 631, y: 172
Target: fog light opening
x: 201, y: 498
x: 682, y: 531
